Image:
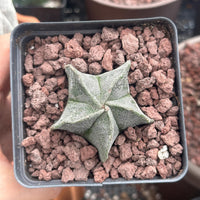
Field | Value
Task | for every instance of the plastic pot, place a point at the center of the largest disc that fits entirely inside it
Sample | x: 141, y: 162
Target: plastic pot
x: 44, y: 14
x: 99, y: 9
x: 23, y: 34
x: 193, y: 174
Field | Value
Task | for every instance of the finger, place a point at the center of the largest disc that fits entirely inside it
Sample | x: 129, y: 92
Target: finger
x: 5, y: 128
x: 4, y: 65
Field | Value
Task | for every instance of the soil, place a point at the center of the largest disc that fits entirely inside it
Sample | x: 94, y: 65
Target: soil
x: 133, y: 2
x: 142, y: 152
x: 190, y: 68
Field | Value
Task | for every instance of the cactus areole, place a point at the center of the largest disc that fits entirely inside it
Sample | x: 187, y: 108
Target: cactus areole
x: 99, y: 106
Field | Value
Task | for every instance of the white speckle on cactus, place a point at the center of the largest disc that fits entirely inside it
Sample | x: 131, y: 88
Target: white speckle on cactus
x: 163, y: 153
x: 99, y: 106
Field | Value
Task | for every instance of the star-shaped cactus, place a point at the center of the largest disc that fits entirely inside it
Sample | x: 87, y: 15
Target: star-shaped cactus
x: 99, y: 106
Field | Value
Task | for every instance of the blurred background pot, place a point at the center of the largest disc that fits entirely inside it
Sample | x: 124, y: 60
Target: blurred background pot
x: 193, y: 175
x: 44, y: 10
x: 100, y: 9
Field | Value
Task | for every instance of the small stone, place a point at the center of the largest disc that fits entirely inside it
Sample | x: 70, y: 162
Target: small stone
x: 73, y: 49
x: 47, y: 69
x: 149, y: 172
x: 163, y: 105
x: 28, y: 141
x: 107, y: 61
x: 43, y: 139
x: 81, y: 174
x: 51, y: 51
x: 80, y: 65
x: 152, y: 153
x: 100, y: 176
x: 120, y: 140
x: 88, y: 152
x: 163, y: 153
x: 109, y: 34
x: 44, y: 175
x: 125, y: 151
x: 95, y: 68
x: 152, y: 113
x: 114, y: 173
x: 35, y: 156
x: 130, y: 43
x: 96, y: 53
x: 162, y: 169
x: 171, y: 138
x: 28, y: 79
x: 71, y: 151
x: 176, y: 150
x: 67, y: 175
x: 127, y: 170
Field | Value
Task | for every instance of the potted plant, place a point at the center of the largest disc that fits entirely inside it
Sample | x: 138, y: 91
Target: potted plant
x: 109, y: 9
x: 53, y: 9
x: 46, y: 99
x: 189, y: 51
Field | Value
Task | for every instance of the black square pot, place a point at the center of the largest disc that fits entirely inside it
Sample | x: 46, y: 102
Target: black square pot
x: 19, y: 38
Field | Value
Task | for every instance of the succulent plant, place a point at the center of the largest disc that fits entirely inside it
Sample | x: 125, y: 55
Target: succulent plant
x: 99, y: 106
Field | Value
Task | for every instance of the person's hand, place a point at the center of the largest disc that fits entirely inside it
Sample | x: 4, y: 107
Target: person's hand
x: 9, y: 188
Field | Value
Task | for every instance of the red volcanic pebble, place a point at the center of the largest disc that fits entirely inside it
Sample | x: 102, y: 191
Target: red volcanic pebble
x: 73, y: 49
x: 120, y: 140
x: 163, y: 105
x: 81, y: 174
x: 88, y: 152
x: 35, y: 156
x: 69, y: 157
x: 162, y: 169
x: 71, y: 151
x: 67, y: 175
x: 135, y: 76
x: 149, y: 172
x: 80, y: 64
x: 42, y: 122
x: 127, y: 170
x: 100, y: 175
x: 109, y: 34
x: 125, y: 151
x: 114, y: 173
x: 152, y: 113
x: 130, y: 43
x: 51, y: 51
x: 43, y: 138
x: 28, y: 141
x: 144, y: 98
x: 96, y: 53
x: 107, y: 61
x: 28, y: 80
x: 95, y: 68
x: 171, y: 138
x: 28, y: 63
x: 47, y: 69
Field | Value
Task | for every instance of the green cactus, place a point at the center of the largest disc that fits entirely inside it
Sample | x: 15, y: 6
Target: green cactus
x: 99, y: 106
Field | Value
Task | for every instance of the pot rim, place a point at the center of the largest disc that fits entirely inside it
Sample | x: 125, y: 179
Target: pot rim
x: 23, y: 33
x: 135, y: 7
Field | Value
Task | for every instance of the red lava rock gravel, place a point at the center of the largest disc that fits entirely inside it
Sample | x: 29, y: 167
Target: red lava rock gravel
x: 190, y: 70
x: 69, y: 157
